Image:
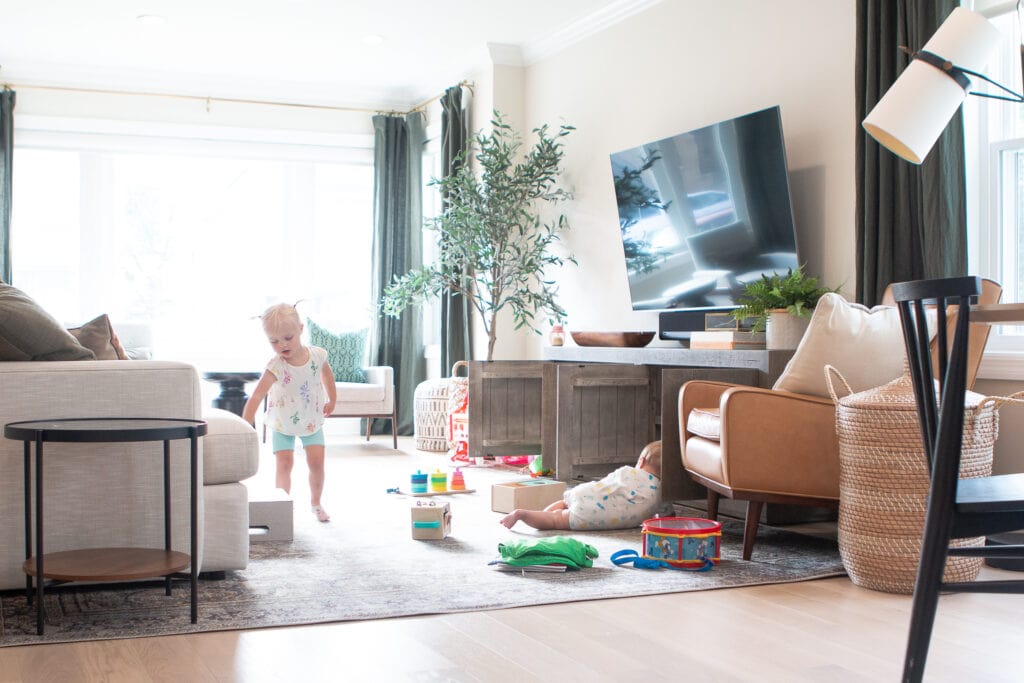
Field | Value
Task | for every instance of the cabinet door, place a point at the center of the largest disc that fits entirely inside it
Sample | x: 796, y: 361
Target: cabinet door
x: 604, y: 418
x: 511, y: 408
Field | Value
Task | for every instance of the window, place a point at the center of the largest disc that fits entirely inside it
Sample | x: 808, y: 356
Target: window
x: 994, y: 139
x: 193, y: 238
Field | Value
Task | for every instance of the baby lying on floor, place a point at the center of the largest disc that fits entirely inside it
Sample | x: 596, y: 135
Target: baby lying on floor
x: 622, y: 499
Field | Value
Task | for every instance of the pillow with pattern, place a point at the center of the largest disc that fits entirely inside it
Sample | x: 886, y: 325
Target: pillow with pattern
x: 346, y: 352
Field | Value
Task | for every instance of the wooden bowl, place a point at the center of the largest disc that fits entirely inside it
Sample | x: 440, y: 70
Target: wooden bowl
x: 622, y: 339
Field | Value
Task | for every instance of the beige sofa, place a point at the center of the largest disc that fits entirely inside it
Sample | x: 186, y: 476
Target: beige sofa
x: 109, y: 495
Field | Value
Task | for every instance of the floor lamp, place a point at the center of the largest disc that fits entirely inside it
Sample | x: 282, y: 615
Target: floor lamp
x: 914, y: 111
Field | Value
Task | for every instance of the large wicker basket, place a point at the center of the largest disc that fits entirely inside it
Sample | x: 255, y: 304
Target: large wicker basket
x: 883, y: 484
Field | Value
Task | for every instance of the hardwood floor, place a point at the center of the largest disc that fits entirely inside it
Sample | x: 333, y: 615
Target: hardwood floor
x: 826, y: 630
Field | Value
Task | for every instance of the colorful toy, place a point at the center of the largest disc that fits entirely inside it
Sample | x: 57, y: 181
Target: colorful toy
x: 682, y: 541
x: 431, y: 521
x: 458, y: 480
x: 419, y: 482
x: 438, y: 481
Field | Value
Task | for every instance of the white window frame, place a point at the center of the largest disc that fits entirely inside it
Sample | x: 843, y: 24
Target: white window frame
x: 1004, y: 354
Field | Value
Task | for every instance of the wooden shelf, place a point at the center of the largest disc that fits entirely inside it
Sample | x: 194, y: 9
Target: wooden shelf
x: 109, y: 564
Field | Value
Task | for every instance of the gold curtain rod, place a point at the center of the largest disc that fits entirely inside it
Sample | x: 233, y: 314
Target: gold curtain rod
x: 229, y: 100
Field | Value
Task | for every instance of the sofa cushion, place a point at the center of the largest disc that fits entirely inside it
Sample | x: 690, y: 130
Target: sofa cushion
x: 98, y: 336
x: 865, y: 345
x: 346, y: 352
x: 230, y: 448
x: 27, y: 332
x: 705, y: 422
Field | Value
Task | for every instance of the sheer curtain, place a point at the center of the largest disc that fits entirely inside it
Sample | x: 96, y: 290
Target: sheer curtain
x: 455, y: 309
x: 911, y: 220
x: 398, y: 248
x: 7, y: 98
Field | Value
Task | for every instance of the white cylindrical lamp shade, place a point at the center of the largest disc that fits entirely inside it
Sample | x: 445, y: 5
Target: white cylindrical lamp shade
x: 913, y: 113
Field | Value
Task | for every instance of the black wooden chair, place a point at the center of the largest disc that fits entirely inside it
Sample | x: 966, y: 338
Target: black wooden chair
x: 956, y: 508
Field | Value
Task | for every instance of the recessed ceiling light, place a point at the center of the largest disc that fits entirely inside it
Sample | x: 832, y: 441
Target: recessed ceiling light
x: 373, y: 39
x: 150, y: 19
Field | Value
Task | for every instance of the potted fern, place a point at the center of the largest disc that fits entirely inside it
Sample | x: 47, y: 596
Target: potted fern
x: 781, y: 304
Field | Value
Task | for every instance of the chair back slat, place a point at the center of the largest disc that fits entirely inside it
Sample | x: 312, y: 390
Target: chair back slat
x: 940, y: 414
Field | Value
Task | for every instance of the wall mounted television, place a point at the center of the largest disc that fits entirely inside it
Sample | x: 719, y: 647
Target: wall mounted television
x: 702, y: 213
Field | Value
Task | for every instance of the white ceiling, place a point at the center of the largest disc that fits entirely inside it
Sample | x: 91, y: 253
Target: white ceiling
x: 302, y: 51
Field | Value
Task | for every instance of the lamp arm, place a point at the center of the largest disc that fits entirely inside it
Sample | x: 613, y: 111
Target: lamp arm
x: 960, y: 75
x: 1014, y: 96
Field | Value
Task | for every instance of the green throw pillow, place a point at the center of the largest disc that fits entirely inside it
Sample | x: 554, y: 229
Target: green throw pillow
x: 345, y: 352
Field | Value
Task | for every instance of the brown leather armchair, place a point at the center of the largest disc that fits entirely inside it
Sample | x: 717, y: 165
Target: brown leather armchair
x: 768, y: 446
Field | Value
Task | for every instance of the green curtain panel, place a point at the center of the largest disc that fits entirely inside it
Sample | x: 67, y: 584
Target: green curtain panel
x: 456, y: 344
x: 7, y: 98
x: 397, y: 249
x: 911, y: 220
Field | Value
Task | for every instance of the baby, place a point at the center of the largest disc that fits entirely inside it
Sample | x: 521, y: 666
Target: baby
x: 620, y: 500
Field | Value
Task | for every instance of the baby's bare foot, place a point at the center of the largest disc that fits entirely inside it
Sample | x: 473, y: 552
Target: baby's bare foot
x: 321, y: 514
x: 509, y: 520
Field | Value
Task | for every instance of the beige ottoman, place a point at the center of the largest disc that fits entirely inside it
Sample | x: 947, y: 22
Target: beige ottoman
x: 430, y: 415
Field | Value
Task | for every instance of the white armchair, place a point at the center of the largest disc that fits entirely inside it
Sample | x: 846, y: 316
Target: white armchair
x: 374, y: 399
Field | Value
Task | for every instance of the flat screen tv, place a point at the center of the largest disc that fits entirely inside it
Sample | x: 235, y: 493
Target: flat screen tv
x: 702, y: 213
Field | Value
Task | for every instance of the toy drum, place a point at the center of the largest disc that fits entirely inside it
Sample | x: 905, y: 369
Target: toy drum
x: 682, y: 541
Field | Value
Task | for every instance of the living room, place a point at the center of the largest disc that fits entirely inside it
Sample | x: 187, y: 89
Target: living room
x: 634, y: 72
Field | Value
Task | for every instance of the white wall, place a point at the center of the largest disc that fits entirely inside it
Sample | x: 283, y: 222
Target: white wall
x: 678, y: 66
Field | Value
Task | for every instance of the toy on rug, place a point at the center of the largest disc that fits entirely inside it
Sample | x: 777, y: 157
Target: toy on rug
x: 431, y: 521
x: 676, y: 542
x: 419, y: 482
x: 622, y: 499
x: 438, y: 482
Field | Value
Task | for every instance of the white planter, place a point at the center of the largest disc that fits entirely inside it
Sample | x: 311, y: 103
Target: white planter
x: 784, y: 331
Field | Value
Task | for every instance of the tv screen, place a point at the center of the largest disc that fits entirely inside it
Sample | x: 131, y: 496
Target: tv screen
x: 704, y: 212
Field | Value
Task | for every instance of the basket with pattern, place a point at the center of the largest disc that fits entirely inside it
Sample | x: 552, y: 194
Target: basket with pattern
x: 883, y: 482
x: 430, y: 415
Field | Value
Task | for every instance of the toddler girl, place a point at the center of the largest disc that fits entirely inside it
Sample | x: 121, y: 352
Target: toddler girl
x: 302, y: 392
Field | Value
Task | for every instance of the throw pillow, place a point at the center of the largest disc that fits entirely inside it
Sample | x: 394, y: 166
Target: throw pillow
x: 98, y: 336
x: 865, y: 345
x: 27, y: 332
x: 346, y: 352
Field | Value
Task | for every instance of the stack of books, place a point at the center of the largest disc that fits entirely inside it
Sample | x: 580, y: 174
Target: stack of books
x: 727, y: 339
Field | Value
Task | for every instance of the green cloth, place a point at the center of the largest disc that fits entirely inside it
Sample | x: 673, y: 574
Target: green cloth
x: 549, y: 550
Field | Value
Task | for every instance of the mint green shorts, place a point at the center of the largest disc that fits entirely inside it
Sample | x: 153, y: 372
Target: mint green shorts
x: 286, y: 442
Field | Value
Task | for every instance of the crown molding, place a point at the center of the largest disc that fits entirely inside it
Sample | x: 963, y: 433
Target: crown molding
x: 600, y: 20
x: 506, y: 54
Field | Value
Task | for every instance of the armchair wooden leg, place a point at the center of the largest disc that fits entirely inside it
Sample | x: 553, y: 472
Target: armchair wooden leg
x: 369, y: 424
x: 394, y: 424
x: 713, y: 498
x: 750, y: 528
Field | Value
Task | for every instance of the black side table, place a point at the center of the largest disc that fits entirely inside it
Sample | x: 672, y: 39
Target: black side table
x: 107, y: 564
x: 232, y: 389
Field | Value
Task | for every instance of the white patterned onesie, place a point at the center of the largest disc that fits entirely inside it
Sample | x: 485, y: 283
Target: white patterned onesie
x: 296, y: 401
x: 620, y: 500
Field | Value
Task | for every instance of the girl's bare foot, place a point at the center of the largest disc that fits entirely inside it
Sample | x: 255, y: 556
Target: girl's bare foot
x: 321, y: 514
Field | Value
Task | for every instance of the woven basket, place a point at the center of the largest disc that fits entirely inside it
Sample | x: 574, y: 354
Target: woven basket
x: 883, y: 484
x: 430, y: 411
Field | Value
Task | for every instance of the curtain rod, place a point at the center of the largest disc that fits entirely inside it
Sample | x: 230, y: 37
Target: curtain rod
x: 229, y: 100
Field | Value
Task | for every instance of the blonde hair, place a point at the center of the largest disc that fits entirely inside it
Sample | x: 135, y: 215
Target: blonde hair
x: 651, y: 455
x: 278, y: 315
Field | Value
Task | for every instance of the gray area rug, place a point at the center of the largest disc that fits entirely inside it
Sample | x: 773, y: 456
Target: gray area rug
x: 364, y: 564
